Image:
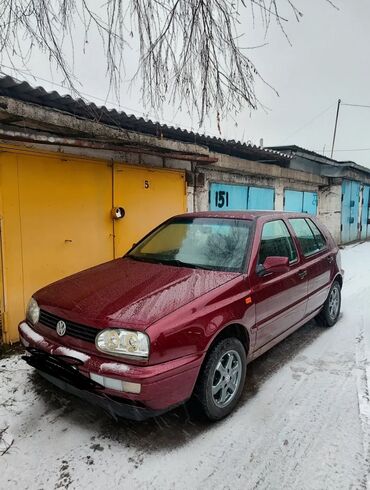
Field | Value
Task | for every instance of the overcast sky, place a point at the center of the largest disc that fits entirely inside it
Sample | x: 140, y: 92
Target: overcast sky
x: 328, y: 59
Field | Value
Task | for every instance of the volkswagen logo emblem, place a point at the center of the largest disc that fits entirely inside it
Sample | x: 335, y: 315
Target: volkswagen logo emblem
x: 61, y: 328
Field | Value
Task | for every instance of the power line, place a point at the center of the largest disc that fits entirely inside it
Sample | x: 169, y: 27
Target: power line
x: 356, y: 105
x: 336, y: 124
x: 347, y: 149
x: 310, y: 122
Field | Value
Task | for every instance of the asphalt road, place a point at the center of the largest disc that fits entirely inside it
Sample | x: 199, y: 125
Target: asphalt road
x: 303, y: 422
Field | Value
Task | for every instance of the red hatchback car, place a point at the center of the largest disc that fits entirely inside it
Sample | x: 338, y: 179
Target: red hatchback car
x: 184, y: 311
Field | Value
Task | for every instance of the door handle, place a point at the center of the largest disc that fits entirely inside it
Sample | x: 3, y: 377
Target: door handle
x: 330, y: 259
x: 302, y: 274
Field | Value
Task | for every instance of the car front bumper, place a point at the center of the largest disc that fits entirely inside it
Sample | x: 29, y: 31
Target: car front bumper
x: 162, y: 386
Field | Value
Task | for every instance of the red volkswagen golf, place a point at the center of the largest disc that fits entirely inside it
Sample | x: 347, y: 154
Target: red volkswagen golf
x: 184, y: 311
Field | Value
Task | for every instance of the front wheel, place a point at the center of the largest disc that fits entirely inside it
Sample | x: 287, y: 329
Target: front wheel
x: 329, y: 314
x: 222, y: 379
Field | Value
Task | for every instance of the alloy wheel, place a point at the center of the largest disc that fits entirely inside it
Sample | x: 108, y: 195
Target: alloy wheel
x: 226, y: 378
x: 334, y: 302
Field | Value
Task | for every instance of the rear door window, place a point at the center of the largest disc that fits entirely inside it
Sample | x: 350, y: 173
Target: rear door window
x: 276, y: 241
x: 309, y: 236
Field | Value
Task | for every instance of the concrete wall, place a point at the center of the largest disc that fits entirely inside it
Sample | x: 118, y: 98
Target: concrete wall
x: 329, y: 209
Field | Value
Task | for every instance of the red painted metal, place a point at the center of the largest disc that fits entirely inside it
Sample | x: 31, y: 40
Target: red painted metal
x: 183, y: 310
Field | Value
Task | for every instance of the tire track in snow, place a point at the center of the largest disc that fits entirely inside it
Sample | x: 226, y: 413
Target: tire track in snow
x: 363, y: 392
x: 356, y: 292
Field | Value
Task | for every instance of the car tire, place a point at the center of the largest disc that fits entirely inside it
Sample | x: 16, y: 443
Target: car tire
x: 329, y: 314
x: 221, y: 380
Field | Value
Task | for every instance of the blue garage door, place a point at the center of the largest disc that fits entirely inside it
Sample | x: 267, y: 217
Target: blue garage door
x: 293, y: 201
x: 350, y: 210
x: 260, y: 198
x: 223, y: 197
x: 300, y: 202
x: 365, y: 228
x: 310, y: 202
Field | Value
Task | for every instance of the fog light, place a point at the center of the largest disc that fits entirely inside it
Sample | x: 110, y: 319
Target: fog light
x: 131, y: 387
x: 116, y: 384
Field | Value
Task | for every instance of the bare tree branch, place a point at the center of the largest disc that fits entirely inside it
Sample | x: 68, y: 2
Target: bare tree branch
x: 190, y: 52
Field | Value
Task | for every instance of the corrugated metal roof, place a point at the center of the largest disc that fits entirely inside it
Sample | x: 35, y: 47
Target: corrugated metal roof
x: 20, y: 90
x: 294, y: 149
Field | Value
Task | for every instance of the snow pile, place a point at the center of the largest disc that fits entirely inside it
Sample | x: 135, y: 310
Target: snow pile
x: 303, y: 421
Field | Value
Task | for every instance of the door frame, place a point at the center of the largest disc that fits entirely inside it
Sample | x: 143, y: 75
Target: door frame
x: 365, y: 202
x: 3, y: 328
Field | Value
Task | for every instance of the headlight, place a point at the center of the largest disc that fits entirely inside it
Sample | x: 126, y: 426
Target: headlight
x: 33, y: 311
x: 123, y: 343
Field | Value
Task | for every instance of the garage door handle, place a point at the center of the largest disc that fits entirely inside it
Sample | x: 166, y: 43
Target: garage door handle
x: 302, y: 274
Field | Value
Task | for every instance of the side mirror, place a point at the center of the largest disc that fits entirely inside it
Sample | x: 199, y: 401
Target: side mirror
x: 275, y: 264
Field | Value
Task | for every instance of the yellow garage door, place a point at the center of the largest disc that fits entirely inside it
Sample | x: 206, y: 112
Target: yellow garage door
x: 55, y: 221
x: 56, y: 218
x: 148, y: 196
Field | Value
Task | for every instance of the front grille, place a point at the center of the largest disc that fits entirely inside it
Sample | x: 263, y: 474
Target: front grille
x: 55, y: 366
x: 76, y: 330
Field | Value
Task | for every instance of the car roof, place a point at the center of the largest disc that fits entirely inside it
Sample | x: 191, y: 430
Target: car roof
x: 247, y: 215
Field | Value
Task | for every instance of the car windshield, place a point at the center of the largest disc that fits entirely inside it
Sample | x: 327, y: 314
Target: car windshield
x: 206, y: 243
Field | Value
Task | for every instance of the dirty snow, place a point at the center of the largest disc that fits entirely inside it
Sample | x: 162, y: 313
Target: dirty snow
x: 37, y: 338
x: 303, y: 422
x: 115, y: 367
x: 65, y: 351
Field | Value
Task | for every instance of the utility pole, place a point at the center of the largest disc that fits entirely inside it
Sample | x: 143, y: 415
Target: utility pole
x: 335, y: 128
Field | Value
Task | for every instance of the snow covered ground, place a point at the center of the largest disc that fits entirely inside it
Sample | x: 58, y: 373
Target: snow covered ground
x: 303, y: 423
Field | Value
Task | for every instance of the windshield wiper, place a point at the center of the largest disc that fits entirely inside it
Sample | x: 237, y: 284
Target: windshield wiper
x: 142, y: 259
x: 175, y: 262
x: 180, y: 263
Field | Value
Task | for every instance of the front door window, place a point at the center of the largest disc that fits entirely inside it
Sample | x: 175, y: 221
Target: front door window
x: 276, y: 241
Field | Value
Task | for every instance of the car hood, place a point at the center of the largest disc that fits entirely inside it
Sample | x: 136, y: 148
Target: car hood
x: 127, y: 292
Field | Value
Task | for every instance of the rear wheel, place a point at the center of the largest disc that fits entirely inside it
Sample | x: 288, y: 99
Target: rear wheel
x: 221, y: 381
x: 329, y: 314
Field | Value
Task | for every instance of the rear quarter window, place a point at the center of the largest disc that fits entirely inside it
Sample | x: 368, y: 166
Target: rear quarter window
x: 319, y: 237
x: 309, y: 236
